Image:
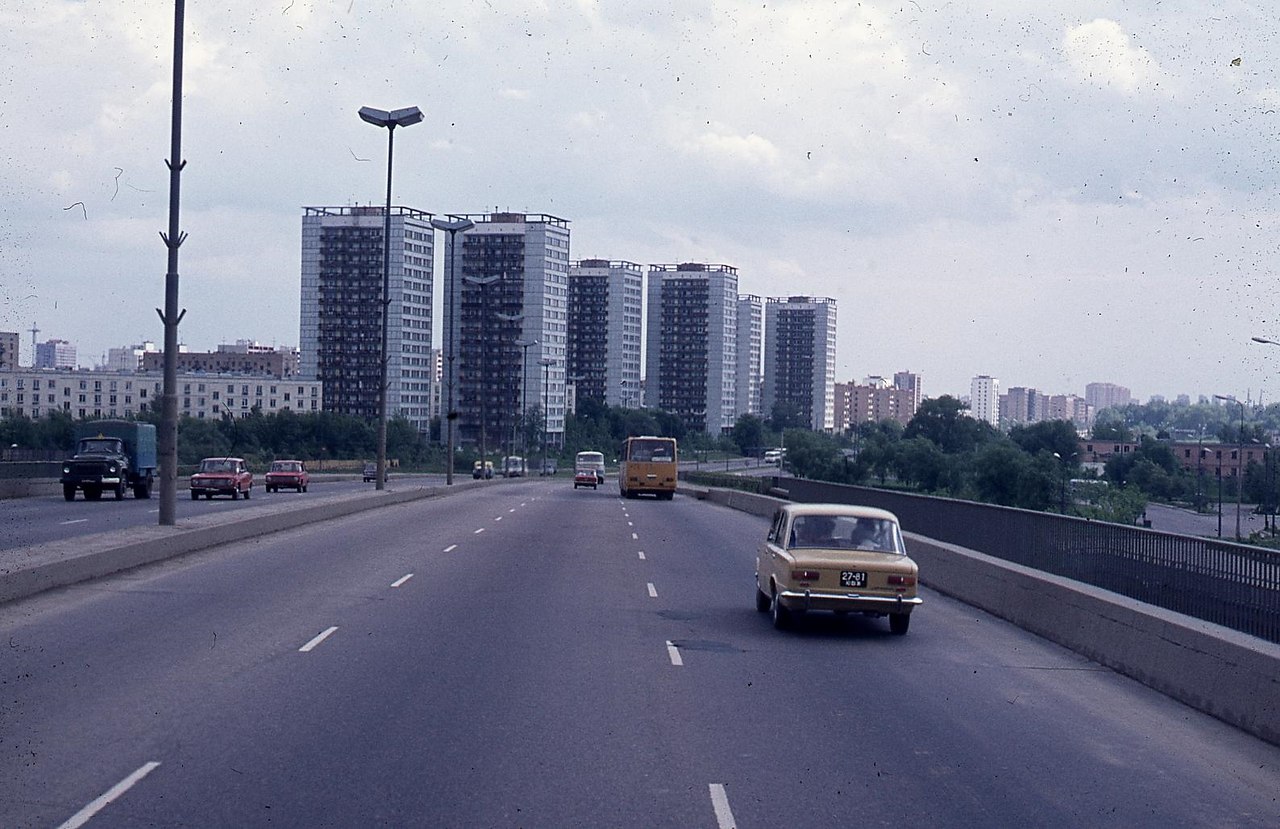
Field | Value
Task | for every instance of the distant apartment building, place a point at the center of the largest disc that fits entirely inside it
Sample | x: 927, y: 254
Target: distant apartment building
x: 509, y: 326
x: 912, y: 382
x: 1072, y: 408
x: 55, y: 354
x: 129, y: 358
x: 240, y: 358
x: 1105, y: 395
x: 1020, y: 406
x: 692, y: 345
x: 750, y: 354
x: 872, y: 402
x: 606, y: 306
x: 341, y: 309
x: 82, y: 393
x: 800, y: 359
x: 9, y: 342
x: 984, y: 399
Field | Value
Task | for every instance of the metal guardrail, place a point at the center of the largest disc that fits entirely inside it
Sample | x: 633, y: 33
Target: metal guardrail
x: 1233, y: 585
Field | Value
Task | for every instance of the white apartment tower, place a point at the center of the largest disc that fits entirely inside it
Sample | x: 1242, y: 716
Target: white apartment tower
x: 984, y: 399
x: 341, y: 313
x: 750, y: 353
x: 606, y: 305
x: 692, y: 349
x: 800, y: 359
x: 506, y: 327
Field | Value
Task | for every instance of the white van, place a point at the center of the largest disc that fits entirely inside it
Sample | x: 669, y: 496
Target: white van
x: 590, y: 460
x: 513, y: 466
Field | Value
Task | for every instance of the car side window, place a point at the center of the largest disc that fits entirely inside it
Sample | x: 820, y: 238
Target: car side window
x: 779, y: 518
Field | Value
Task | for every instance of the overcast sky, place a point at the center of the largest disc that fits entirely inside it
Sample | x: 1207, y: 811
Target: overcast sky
x: 1051, y: 192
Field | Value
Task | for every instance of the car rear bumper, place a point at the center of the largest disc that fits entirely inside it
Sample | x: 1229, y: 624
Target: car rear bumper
x: 850, y: 602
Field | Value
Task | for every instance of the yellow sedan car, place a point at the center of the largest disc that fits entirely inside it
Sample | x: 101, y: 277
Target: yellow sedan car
x: 835, y: 557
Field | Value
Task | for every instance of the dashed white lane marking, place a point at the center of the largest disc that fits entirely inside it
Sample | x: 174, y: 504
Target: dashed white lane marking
x: 499, y: 518
x: 323, y: 636
x: 635, y: 537
x: 641, y: 554
x: 720, y: 802
x: 450, y: 548
x: 629, y: 524
x: 674, y: 653
x: 477, y: 532
x: 513, y: 509
x: 401, y: 580
x: 82, y: 817
x: 653, y: 591
x: 73, y: 521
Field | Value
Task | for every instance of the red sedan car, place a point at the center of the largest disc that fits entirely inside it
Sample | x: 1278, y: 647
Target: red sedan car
x: 288, y: 475
x: 222, y: 476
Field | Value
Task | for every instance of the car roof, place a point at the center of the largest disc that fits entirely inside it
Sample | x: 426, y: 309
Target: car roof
x: 221, y: 458
x: 852, y: 510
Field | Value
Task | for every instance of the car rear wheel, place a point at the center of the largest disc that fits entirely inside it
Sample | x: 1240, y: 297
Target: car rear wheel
x: 899, y: 622
x: 763, y: 602
x: 781, y: 616
x: 69, y: 493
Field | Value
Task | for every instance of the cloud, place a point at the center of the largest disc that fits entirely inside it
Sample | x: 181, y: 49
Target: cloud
x: 1103, y: 54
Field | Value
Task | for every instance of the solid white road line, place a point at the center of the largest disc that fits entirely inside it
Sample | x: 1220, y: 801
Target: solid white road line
x: 323, y: 636
x: 641, y: 552
x: 82, y: 817
x: 401, y: 580
x: 73, y: 521
x: 674, y: 653
x: 451, y: 548
x: 720, y: 802
x: 653, y: 591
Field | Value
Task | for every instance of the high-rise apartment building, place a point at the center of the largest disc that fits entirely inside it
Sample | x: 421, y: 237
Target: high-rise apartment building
x: 9, y: 350
x: 341, y: 313
x: 1105, y: 395
x: 509, y: 327
x: 910, y: 382
x: 692, y: 348
x: 58, y: 354
x: 1020, y: 406
x: 872, y: 401
x: 750, y: 353
x: 984, y: 399
x: 800, y: 359
x: 606, y: 306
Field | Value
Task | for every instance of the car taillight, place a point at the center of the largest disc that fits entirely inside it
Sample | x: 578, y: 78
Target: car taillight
x: 805, y: 575
x: 902, y: 581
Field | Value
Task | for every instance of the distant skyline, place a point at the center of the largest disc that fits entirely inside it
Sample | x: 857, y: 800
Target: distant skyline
x: 1045, y: 193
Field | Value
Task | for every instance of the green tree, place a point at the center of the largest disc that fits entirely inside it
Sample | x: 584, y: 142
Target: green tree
x: 749, y: 435
x: 944, y: 421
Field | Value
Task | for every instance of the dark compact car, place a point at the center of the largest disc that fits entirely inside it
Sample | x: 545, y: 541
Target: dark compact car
x: 371, y: 472
x: 222, y: 476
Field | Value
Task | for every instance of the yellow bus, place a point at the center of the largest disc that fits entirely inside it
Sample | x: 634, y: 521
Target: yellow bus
x: 648, y: 465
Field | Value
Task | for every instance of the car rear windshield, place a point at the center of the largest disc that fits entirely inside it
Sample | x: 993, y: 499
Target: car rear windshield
x: 845, y: 532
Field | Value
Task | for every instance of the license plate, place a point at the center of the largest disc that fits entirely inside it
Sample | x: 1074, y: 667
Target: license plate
x: 853, y: 578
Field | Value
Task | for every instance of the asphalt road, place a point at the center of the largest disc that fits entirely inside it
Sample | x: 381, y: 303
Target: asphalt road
x: 36, y: 520
x: 529, y: 655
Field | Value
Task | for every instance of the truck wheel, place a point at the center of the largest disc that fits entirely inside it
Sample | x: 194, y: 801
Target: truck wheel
x: 248, y: 492
x: 120, y: 491
x: 195, y: 496
x: 92, y: 493
x: 68, y: 492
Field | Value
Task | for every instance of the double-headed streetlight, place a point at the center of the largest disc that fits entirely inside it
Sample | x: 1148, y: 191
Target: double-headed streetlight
x: 483, y: 283
x: 405, y: 117
x: 1239, y: 466
x: 454, y: 227
x: 546, y: 363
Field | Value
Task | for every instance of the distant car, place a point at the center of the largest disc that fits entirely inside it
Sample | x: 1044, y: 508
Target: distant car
x: 548, y: 467
x: 773, y: 456
x: 287, y: 475
x: 222, y: 476
x: 513, y: 466
x: 835, y: 557
x: 585, y: 476
x: 486, y: 471
x: 593, y: 460
x: 370, y: 472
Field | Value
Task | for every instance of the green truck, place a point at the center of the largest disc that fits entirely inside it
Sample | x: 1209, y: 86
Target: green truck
x: 111, y: 456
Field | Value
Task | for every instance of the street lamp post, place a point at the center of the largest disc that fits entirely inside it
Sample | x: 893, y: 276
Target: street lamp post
x: 511, y: 319
x: 405, y: 117
x: 167, y: 436
x: 524, y: 398
x: 454, y: 227
x: 1239, y: 466
x: 546, y: 363
x: 483, y: 283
